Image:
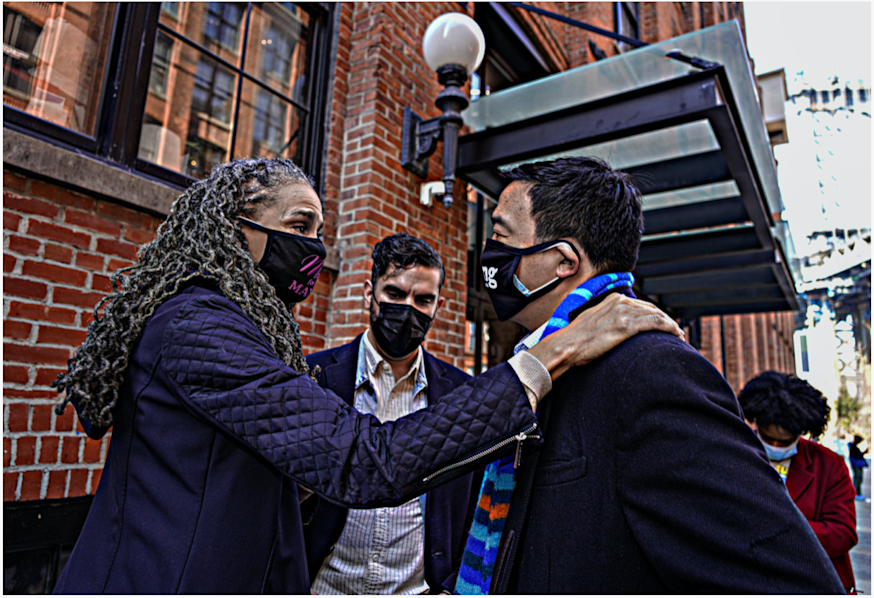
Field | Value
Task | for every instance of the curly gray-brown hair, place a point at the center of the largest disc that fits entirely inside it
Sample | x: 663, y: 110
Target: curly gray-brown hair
x: 200, y: 237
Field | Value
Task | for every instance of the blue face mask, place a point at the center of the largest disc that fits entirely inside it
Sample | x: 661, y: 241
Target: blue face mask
x: 779, y: 453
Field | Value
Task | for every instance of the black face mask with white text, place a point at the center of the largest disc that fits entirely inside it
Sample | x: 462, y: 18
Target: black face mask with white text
x: 399, y: 329
x: 292, y: 263
x: 500, y: 262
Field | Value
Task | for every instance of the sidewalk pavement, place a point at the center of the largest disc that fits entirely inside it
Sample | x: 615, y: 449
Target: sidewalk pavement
x: 861, y: 554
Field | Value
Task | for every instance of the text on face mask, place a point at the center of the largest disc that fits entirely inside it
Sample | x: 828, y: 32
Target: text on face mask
x: 489, y: 276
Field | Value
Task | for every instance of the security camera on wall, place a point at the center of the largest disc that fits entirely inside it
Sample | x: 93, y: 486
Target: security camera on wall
x: 430, y: 191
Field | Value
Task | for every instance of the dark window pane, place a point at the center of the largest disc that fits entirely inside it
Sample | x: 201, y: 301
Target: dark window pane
x: 188, y: 128
x: 200, y: 114
x: 222, y: 24
x: 170, y: 8
x: 213, y: 91
x: 54, y: 60
x: 160, y: 64
x: 28, y: 572
x: 269, y: 126
x: 277, y: 55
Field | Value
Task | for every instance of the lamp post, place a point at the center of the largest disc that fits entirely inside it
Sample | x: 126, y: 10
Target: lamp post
x: 453, y: 47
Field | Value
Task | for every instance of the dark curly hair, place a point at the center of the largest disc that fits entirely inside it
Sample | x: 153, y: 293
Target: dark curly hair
x: 787, y: 401
x: 586, y: 200
x: 201, y: 237
x: 404, y: 251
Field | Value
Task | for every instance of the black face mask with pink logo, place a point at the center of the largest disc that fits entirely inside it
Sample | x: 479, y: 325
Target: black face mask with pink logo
x: 292, y: 263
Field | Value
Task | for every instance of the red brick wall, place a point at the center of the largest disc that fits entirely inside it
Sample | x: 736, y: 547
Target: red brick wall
x: 377, y: 197
x: 59, y: 248
x: 711, y: 342
x: 550, y: 33
x: 660, y: 20
x: 599, y: 14
x: 754, y: 343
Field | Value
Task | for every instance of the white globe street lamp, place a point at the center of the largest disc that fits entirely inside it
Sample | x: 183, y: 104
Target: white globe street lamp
x: 453, y: 46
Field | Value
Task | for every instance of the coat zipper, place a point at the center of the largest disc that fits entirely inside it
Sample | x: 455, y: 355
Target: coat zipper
x: 518, y: 438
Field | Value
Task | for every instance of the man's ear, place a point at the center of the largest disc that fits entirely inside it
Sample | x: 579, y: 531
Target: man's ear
x: 570, y: 264
x: 368, y: 294
x: 440, y: 301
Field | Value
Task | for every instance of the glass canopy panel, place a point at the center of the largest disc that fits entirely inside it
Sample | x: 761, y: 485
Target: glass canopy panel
x: 702, y: 193
x: 687, y: 234
x: 639, y: 68
x: 783, y: 234
x: 656, y: 146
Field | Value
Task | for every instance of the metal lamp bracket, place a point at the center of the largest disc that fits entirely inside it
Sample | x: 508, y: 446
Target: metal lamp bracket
x: 418, y: 142
x: 419, y: 137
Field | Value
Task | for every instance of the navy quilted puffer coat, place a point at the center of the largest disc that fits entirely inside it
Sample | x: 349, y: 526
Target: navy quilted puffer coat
x: 212, y: 432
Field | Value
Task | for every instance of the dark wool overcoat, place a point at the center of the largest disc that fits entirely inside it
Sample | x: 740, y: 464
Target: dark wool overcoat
x: 821, y: 487
x: 448, y: 508
x: 650, y: 482
x: 212, y: 433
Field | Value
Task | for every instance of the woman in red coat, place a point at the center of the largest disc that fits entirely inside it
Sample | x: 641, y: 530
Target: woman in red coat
x: 780, y: 408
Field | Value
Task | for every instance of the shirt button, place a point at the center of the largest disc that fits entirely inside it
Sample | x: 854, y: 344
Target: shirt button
x: 374, y: 557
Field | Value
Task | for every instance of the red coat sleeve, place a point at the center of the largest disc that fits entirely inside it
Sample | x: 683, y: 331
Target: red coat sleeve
x: 835, y: 525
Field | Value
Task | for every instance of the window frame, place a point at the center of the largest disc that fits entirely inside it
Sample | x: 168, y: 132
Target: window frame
x: 25, y: 122
x: 222, y: 23
x: 631, y: 11
x: 17, y: 23
x: 272, y: 101
x: 162, y: 92
x: 125, y: 86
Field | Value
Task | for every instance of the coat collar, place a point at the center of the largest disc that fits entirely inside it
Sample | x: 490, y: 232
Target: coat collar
x: 800, y: 477
x: 340, y: 373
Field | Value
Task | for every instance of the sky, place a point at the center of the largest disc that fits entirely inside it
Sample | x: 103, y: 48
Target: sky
x: 825, y: 178
x: 823, y: 39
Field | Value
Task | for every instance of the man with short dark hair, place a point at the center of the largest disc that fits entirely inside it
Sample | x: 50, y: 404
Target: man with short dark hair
x: 649, y: 481
x: 412, y: 548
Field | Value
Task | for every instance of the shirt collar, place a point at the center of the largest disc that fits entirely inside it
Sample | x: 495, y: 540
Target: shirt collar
x: 369, y: 360
x: 530, y: 339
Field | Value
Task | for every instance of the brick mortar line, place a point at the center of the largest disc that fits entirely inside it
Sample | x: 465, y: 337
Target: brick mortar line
x: 29, y: 194
x: 60, y: 221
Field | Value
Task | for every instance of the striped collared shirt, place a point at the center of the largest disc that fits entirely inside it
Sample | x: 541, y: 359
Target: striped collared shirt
x: 381, y: 551
x: 530, y: 339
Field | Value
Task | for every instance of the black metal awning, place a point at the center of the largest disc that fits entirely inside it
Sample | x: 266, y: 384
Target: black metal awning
x: 708, y: 254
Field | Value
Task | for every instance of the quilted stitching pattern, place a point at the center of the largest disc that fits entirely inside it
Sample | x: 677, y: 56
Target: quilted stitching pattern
x: 226, y: 369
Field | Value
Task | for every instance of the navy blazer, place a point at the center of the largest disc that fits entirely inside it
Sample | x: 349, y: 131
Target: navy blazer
x: 449, y: 507
x: 212, y: 434
x: 650, y: 482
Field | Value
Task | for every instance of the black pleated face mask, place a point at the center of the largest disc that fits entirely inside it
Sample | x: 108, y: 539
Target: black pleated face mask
x: 399, y: 329
x: 292, y: 263
x: 507, y: 293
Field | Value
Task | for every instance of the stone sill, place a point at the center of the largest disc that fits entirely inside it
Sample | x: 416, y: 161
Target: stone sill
x: 85, y: 173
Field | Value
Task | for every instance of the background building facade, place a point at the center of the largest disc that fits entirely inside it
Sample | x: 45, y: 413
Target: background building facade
x: 112, y: 109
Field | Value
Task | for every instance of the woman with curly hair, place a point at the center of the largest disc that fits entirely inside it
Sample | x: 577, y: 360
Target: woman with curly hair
x: 219, y: 432
x: 781, y: 408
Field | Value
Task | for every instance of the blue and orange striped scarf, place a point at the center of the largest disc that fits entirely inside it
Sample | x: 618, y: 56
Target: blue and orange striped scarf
x: 499, y: 480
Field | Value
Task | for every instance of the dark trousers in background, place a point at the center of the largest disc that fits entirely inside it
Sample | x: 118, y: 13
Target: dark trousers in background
x: 858, y: 473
